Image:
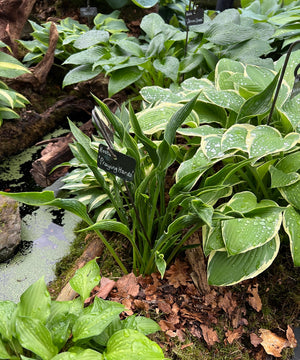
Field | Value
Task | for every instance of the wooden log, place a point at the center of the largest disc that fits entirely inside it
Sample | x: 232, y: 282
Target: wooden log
x: 56, y: 152
x: 94, y: 249
x: 197, y: 261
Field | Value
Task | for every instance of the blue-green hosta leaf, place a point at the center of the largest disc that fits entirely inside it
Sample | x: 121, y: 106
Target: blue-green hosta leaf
x: 155, y: 119
x: 156, y: 46
x: 131, y: 47
x: 291, y: 223
x: 290, y: 68
x: 7, y: 309
x: 11, y: 67
x: 224, y: 270
x: 80, y: 73
x: 211, y: 146
x: 212, y: 238
x: 122, y: 78
x: 258, y: 104
x: 244, y: 234
x: 91, y: 38
x: 235, y: 137
x: 285, y: 17
x: 168, y: 66
x: 34, y: 336
x: 88, y: 56
x: 85, y: 279
x: 88, y: 325
x: 264, y: 140
x: 191, y: 62
x: 280, y: 178
x: 230, y: 66
x: 133, y: 345
x: 152, y: 24
x: 228, y: 33
x: 153, y: 94
x: 114, y: 26
x: 227, y: 99
x: 35, y: 301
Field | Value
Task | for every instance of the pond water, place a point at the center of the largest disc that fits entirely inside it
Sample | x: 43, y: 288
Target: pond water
x: 46, y: 232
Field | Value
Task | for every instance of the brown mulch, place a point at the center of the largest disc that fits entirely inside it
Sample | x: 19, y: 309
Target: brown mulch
x: 181, y: 311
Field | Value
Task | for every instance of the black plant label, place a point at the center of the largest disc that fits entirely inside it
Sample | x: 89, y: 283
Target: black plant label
x: 120, y: 164
x: 88, y: 11
x: 194, y: 17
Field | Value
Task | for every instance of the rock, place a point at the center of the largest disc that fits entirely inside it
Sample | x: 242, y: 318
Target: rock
x: 10, y: 227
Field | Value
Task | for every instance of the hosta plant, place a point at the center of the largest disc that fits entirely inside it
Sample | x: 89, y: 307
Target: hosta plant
x: 10, y: 100
x: 39, y: 328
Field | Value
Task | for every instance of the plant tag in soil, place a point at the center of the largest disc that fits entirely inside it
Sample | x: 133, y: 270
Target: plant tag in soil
x: 122, y: 165
x: 194, y: 17
x: 89, y: 11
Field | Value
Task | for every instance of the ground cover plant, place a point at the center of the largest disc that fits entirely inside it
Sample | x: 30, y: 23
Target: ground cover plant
x: 40, y: 328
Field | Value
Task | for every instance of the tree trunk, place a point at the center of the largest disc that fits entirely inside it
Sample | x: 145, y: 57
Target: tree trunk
x: 13, y: 16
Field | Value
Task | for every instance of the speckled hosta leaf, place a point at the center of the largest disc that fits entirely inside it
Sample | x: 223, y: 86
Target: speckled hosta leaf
x: 194, y: 84
x: 211, y: 146
x: 292, y: 63
x: 235, y: 137
x: 258, y: 104
x: 85, y: 279
x: 84, y: 354
x: 155, y: 119
x: 229, y: 65
x: 227, y: 99
x: 265, y: 140
x: 152, y: 24
x: 156, y: 93
x: 291, y: 223
x: 168, y: 66
x: 291, y: 194
x: 290, y: 111
x: 280, y: 178
x: 35, y: 301
x: 200, y: 131
x: 133, y: 345
x: 93, y: 324
x: 244, y: 234
x: 224, y: 270
x: 34, y: 336
x: 91, y: 38
x: 243, y: 202
x: 228, y: 33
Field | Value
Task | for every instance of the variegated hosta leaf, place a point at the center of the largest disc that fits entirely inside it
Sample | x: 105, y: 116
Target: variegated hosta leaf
x: 242, y: 202
x: 291, y: 194
x: 227, y: 65
x: 212, y: 238
x: 290, y: 112
x: 264, y: 140
x: 211, y: 146
x: 224, y: 270
x: 152, y: 94
x: 235, y: 137
x: 155, y: 119
x: 291, y: 223
x: 200, y: 131
x: 227, y: 99
x: 280, y: 178
x: 194, y: 84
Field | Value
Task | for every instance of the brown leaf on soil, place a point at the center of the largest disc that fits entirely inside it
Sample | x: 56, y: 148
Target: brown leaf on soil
x: 291, y: 337
x: 255, y: 340
x: 272, y: 343
x: 211, y: 299
x: 127, y: 304
x: 166, y: 325
x: 210, y: 335
x: 164, y: 307
x: 177, y: 275
x: 141, y: 305
x: 195, y: 331
x: 106, y: 286
x: 128, y: 285
x: 235, y: 334
x: 227, y: 303
x: 181, y: 335
x: 254, y: 298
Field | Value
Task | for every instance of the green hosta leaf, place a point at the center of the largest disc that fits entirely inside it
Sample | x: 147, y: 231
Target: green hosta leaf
x: 290, y: 111
x: 7, y: 113
x: 35, y: 301
x: 230, y: 66
x: 235, y: 137
x: 280, y: 178
x: 152, y: 24
x: 142, y: 324
x: 88, y: 325
x: 290, y: 163
x: 190, y: 63
x: 156, y: 46
x: 88, y: 56
x: 211, y: 146
x: 131, y: 344
x: 227, y: 99
x: 11, y: 67
x: 85, y: 279
x: 258, y: 104
x: 7, y: 309
x: 3, y: 352
x: 90, y: 38
x: 224, y: 270
x: 145, y: 3
x: 155, y: 119
x: 84, y: 354
x: 244, y: 234
x: 243, y: 202
x: 210, y: 113
x: 160, y: 263
x: 291, y: 194
x: 114, y: 26
x: 80, y: 73
x: 228, y: 33
x: 153, y: 94
x: 194, y: 84
x: 131, y: 47
x: 122, y: 78
x: 212, y: 238
x: 289, y: 77
x: 34, y: 336
x: 169, y: 66
x: 291, y: 223
x: 253, y: 47
x: 264, y: 140
x: 200, y: 131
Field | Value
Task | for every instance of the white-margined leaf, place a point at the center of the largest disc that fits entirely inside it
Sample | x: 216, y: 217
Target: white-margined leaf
x: 291, y: 223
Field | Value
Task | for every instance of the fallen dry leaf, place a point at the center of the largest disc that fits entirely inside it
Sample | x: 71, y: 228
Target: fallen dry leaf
x: 166, y: 325
x: 235, y: 334
x: 272, y: 343
x: 255, y: 340
x: 210, y: 335
x: 227, y: 303
x: 178, y: 274
x: 128, y: 285
x: 106, y: 286
x: 254, y: 298
x: 291, y: 337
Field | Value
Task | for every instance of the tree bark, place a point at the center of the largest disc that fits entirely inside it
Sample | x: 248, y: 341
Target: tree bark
x: 13, y: 16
